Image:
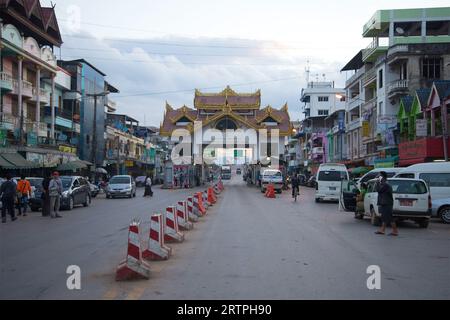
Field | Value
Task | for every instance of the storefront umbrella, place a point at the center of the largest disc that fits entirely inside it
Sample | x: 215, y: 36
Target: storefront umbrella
x: 359, y: 171
x: 101, y: 170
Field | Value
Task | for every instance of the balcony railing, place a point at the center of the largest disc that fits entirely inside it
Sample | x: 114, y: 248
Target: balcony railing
x: 43, y: 95
x: 9, y: 122
x: 27, y: 88
x: 398, y: 86
x: 369, y: 76
x: 355, y: 124
x: 354, y: 102
x: 6, y: 81
x: 354, y: 77
x: 369, y: 105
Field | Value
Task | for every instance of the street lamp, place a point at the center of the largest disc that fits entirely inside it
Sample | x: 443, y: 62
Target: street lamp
x: 94, y: 138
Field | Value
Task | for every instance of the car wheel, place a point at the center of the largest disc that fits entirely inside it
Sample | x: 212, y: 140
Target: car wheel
x: 134, y: 195
x: 70, y: 205
x: 87, y: 201
x: 317, y: 200
x: 108, y: 196
x: 424, y: 223
x: 444, y: 214
x: 373, y: 218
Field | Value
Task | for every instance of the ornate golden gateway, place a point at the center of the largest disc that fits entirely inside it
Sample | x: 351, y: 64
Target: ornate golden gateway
x: 243, y: 108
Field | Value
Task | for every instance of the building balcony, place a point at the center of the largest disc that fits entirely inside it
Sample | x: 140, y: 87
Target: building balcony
x: 369, y: 77
x: 27, y: 88
x: 354, y: 77
x: 355, y: 124
x: 9, y: 122
x: 373, y: 51
x: 354, y: 103
x: 369, y: 105
x: 43, y: 96
x: 398, y: 87
x: 6, y: 81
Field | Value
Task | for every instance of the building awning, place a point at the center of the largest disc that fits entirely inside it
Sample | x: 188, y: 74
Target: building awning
x: 71, y: 166
x: 5, y: 164
x: 17, y: 161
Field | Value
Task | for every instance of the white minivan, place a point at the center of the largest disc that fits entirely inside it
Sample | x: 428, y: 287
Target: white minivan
x: 328, y: 181
x: 435, y: 174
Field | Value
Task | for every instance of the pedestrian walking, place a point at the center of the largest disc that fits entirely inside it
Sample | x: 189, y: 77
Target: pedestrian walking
x: 148, y: 187
x: 45, y: 196
x: 23, y: 194
x: 55, y: 192
x: 385, y: 205
x: 8, y: 195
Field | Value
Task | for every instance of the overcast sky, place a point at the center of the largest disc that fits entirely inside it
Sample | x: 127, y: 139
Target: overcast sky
x: 158, y: 51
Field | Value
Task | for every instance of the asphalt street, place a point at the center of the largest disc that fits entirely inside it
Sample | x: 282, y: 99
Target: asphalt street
x: 248, y: 247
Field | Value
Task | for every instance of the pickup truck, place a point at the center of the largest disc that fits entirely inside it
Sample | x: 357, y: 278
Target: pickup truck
x: 274, y: 177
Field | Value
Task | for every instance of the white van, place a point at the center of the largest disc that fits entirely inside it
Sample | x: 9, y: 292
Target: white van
x: 328, y: 181
x: 435, y: 174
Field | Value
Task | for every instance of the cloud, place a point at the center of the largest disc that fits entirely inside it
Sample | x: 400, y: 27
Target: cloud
x: 150, y: 72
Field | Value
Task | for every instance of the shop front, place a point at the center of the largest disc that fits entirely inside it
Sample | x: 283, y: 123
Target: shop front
x: 422, y: 150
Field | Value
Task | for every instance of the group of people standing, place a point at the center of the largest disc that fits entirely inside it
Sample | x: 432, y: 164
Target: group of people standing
x: 17, y: 194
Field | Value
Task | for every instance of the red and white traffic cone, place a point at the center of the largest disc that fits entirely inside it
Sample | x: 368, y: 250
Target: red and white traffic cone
x: 216, y: 189
x: 171, y: 231
x: 206, y: 203
x: 211, y: 196
x: 198, y: 204
x: 157, y: 250
x: 193, y: 217
x: 183, y: 217
x: 133, y: 267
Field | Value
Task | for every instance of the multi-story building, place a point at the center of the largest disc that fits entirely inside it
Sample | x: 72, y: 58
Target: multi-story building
x: 409, y: 51
x: 324, y: 108
x: 33, y: 121
x: 89, y: 95
x: 128, y: 147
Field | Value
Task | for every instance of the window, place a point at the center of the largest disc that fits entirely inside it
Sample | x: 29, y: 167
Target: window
x: 323, y: 112
x: 436, y: 179
x: 431, y: 68
x: 332, y: 175
x: 406, y: 175
x: 404, y: 71
x: 323, y: 99
x: 380, y: 79
x: 408, y: 187
x: 343, y: 99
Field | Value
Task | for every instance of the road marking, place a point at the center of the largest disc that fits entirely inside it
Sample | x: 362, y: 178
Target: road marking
x: 111, y: 294
x: 136, y: 293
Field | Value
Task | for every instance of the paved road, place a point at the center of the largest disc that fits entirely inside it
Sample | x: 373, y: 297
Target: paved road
x: 248, y: 247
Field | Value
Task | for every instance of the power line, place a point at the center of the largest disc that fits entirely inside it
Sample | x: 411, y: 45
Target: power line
x: 207, y: 88
x: 187, y: 63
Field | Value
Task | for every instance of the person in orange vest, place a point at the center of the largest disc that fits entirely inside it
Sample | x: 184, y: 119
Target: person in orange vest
x: 23, y: 194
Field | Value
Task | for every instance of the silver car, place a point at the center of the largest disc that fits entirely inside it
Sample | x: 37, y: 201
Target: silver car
x: 121, y: 186
x: 441, y: 209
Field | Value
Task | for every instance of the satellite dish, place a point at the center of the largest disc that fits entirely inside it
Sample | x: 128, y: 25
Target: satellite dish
x: 400, y: 30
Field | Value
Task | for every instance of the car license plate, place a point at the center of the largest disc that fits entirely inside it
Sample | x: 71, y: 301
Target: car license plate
x: 406, y: 203
x: 332, y: 188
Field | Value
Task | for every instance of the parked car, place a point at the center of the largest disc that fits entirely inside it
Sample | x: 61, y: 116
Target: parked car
x: 312, y: 182
x: 140, y: 181
x: 238, y: 171
x: 35, y: 201
x: 412, y: 201
x: 76, y: 191
x: 435, y: 174
x: 441, y: 209
x: 329, y: 180
x: 271, y: 176
x: 121, y: 186
x: 95, y: 190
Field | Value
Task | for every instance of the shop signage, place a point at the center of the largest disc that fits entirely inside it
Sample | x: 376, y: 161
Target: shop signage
x: 366, y: 129
x: 129, y: 163
x: 421, y: 128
